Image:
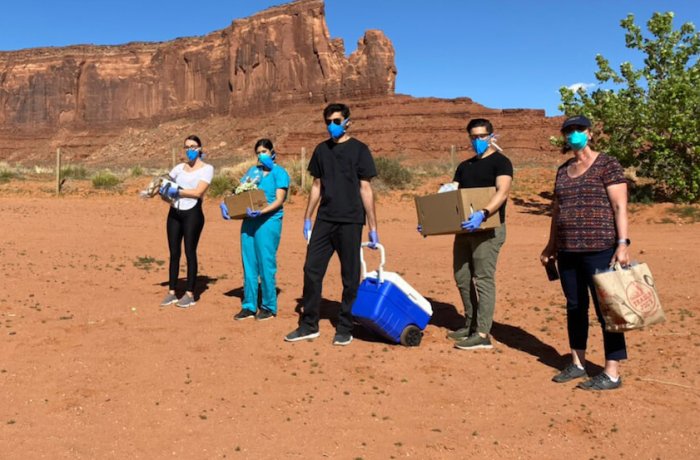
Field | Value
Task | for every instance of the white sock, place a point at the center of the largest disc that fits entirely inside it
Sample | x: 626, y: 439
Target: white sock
x: 579, y: 366
x: 615, y: 379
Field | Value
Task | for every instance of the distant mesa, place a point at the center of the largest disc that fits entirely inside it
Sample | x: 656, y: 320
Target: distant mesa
x: 281, y: 55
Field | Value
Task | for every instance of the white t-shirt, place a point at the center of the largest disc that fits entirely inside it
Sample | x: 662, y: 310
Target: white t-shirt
x: 190, y: 180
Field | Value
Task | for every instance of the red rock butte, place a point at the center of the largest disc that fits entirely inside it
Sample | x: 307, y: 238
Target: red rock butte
x: 90, y: 99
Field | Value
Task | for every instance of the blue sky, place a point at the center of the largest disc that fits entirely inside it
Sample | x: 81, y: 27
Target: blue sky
x: 500, y: 53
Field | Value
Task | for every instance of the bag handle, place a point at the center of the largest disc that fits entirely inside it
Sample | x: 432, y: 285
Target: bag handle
x: 382, y: 261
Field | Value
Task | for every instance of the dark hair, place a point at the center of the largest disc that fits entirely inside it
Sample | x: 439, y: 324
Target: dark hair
x: 478, y: 123
x: 336, y: 107
x: 267, y: 143
x: 194, y: 138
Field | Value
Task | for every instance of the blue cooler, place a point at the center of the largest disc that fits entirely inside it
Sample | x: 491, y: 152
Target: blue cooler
x: 389, y: 306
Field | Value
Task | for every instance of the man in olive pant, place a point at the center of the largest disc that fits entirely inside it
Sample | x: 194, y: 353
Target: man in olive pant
x: 475, y: 253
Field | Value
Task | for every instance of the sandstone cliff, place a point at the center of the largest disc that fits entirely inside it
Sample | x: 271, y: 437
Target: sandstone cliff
x: 281, y: 55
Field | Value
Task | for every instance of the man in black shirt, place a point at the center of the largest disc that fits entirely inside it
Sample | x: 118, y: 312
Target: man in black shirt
x: 342, y: 168
x: 475, y: 254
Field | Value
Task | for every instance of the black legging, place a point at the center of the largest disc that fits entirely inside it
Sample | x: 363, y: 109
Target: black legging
x: 188, y: 225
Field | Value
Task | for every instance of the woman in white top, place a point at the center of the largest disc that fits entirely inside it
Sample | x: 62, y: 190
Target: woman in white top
x: 186, y: 219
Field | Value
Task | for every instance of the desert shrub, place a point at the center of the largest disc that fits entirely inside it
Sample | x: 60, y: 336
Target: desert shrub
x: 136, y: 171
x: 392, y: 173
x: 294, y: 168
x: 74, y: 172
x: 7, y: 173
x: 105, y: 180
x: 221, y: 185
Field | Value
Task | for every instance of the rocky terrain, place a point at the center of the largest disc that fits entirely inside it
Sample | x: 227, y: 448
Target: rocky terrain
x: 267, y: 75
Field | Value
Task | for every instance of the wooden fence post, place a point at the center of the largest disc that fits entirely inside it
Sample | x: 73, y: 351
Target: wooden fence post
x: 303, y: 169
x: 58, y: 171
x: 453, y: 151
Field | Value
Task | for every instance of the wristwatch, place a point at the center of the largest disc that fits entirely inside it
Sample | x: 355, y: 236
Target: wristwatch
x: 486, y: 213
x: 625, y: 241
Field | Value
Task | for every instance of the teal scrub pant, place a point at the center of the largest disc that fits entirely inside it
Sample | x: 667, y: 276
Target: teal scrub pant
x: 260, y: 239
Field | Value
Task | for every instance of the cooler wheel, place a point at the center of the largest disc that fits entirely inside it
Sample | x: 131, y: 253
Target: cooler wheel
x: 411, y: 336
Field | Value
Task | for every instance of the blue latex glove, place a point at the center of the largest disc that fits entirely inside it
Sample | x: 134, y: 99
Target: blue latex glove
x: 373, y: 239
x: 169, y: 192
x: 474, y: 222
x: 307, y: 229
x: 224, y: 211
x: 252, y: 214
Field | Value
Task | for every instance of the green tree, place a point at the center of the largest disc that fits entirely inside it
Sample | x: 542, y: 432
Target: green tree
x: 651, y: 120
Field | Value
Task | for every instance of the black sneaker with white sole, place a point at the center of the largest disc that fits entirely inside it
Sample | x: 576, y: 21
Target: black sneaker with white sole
x: 244, y: 314
x: 264, y: 314
x: 298, y: 334
x: 342, y: 339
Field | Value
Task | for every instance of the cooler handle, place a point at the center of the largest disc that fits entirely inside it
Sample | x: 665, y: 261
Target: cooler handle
x: 382, y: 261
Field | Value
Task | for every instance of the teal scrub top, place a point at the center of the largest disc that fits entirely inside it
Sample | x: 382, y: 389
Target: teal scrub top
x: 277, y: 178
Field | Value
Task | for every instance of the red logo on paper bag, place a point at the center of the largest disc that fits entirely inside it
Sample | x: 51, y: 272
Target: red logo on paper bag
x: 641, y: 297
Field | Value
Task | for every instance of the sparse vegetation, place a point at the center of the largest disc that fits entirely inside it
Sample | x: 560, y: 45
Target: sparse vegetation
x: 74, y: 172
x: 105, y: 180
x: 221, y: 185
x: 392, y: 173
x: 147, y: 262
x: 7, y: 174
x: 136, y: 171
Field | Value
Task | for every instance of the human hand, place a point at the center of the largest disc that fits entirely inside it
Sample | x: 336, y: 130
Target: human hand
x: 307, y: 229
x: 621, y: 255
x: 474, y: 222
x: 252, y: 214
x: 373, y: 239
x: 224, y: 211
x: 548, y: 253
x: 166, y: 191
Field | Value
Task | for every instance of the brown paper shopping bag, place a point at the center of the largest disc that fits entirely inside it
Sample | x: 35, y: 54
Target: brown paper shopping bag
x: 628, y: 298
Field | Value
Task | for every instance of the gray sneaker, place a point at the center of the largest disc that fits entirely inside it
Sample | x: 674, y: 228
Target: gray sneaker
x: 186, y: 301
x: 570, y: 372
x: 600, y: 382
x: 342, y: 339
x: 168, y: 300
x: 459, y: 334
x: 474, y: 342
x: 299, y: 334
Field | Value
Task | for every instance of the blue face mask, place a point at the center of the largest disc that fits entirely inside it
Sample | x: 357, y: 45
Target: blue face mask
x: 192, y: 154
x: 267, y: 160
x: 337, y: 131
x: 481, y: 145
x: 577, y: 140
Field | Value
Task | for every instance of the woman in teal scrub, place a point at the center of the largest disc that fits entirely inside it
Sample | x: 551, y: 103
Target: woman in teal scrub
x: 260, y: 234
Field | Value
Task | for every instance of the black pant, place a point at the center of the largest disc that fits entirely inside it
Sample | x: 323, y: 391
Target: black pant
x: 576, y: 270
x: 185, y: 225
x: 327, y: 238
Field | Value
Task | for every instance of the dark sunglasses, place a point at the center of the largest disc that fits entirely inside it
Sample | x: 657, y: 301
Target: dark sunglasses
x: 336, y: 121
x: 572, y: 128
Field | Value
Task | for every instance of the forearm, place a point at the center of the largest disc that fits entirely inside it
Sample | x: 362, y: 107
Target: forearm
x: 621, y: 223
x: 367, y: 195
x: 314, y: 198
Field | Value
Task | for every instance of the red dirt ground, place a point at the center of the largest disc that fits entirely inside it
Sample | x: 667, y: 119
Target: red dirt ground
x: 92, y: 367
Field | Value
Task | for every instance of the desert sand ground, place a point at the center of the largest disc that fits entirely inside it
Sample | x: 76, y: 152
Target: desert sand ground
x: 92, y: 367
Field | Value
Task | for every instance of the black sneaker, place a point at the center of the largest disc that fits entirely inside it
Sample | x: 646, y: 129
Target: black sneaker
x: 298, y: 334
x: 264, y: 314
x: 474, y: 342
x: 244, y: 314
x: 342, y: 339
x: 570, y: 372
x: 459, y: 334
x: 600, y: 382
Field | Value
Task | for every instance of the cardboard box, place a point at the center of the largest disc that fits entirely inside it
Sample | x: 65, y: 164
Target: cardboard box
x: 443, y: 213
x: 237, y: 204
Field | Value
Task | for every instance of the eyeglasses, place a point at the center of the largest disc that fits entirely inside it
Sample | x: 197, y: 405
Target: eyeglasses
x: 478, y: 136
x: 572, y: 128
x: 193, y: 147
x: 335, y: 121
